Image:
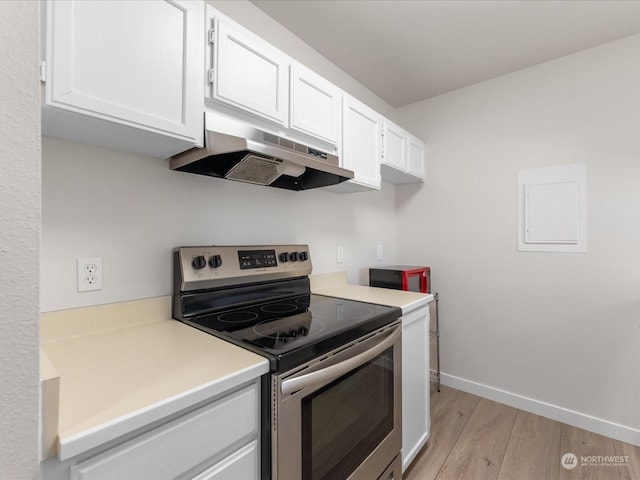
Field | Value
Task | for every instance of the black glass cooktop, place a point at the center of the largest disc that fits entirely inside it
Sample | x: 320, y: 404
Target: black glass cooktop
x: 297, y: 329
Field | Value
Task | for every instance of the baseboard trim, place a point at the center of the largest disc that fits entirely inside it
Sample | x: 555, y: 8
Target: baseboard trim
x: 554, y: 412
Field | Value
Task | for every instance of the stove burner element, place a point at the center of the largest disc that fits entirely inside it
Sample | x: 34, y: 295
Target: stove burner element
x: 279, y: 308
x: 237, y: 317
x: 286, y: 333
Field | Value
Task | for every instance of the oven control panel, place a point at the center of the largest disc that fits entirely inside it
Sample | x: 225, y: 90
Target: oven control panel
x: 215, y: 266
x: 257, y: 259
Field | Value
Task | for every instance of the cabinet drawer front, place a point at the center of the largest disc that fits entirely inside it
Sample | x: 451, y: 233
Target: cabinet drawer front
x: 180, y: 445
x: 250, y: 74
x: 241, y: 465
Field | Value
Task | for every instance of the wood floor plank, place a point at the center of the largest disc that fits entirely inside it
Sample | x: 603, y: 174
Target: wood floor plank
x: 631, y: 469
x: 480, y: 449
x: 449, y: 416
x: 471, y: 439
x: 586, y: 445
x: 533, y: 451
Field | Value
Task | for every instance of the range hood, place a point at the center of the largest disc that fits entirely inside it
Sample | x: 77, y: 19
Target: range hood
x: 247, y: 154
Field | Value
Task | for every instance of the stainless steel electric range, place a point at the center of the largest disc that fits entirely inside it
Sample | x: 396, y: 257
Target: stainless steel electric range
x: 331, y: 404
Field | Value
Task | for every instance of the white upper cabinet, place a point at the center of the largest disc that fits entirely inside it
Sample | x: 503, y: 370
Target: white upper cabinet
x: 315, y: 105
x: 126, y: 74
x: 394, y: 146
x: 403, y: 155
x: 248, y: 73
x: 415, y: 158
x: 361, y: 146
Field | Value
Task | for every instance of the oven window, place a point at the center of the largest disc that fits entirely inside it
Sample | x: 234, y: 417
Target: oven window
x: 344, y: 422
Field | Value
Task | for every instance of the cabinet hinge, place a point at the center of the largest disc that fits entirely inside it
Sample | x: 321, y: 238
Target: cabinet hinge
x: 43, y: 71
x: 211, y: 76
x: 212, y: 36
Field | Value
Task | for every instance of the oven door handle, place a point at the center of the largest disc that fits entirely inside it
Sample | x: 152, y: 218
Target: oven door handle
x: 329, y: 374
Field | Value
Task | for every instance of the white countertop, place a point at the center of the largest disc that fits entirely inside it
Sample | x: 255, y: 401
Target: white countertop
x: 123, y: 366
x: 335, y: 285
x: 111, y: 369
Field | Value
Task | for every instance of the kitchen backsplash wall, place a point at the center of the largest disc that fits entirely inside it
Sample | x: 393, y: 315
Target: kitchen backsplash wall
x: 131, y: 210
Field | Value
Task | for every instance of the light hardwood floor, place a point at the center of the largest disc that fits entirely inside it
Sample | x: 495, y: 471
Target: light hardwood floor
x: 477, y: 439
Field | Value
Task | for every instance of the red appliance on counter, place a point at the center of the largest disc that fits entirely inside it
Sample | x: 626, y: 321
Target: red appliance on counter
x: 401, y: 277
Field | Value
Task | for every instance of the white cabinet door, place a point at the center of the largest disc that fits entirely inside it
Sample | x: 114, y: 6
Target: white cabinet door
x: 394, y: 146
x: 130, y: 63
x: 402, y: 155
x: 315, y: 105
x: 241, y: 465
x: 361, y: 143
x: 172, y: 449
x: 250, y: 74
x: 415, y: 384
x: 415, y: 158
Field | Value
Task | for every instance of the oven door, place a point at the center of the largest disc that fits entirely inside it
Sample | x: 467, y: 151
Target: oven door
x: 339, y: 417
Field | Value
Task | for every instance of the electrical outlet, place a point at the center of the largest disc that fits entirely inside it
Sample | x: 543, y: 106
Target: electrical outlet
x: 89, y: 274
x: 379, y: 252
x: 340, y: 254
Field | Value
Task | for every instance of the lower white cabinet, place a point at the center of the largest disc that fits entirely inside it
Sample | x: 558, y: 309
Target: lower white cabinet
x: 415, y: 383
x: 239, y: 466
x: 217, y: 441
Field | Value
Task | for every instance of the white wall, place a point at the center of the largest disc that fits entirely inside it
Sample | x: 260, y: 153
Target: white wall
x: 19, y: 239
x: 132, y: 210
x: 561, y: 328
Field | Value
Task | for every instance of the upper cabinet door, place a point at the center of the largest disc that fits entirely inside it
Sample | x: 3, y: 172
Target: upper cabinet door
x: 415, y: 158
x: 402, y: 156
x: 315, y: 105
x: 130, y: 63
x: 361, y: 142
x: 250, y: 74
x: 394, y: 146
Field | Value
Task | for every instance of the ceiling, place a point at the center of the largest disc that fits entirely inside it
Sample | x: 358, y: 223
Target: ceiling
x: 408, y: 50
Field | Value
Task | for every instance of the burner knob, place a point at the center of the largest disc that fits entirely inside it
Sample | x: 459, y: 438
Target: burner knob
x: 293, y: 334
x: 303, y: 332
x: 283, y: 257
x: 199, y: 262
x: 293, y: 256
x: 215, y: 261
x: 303, y: 256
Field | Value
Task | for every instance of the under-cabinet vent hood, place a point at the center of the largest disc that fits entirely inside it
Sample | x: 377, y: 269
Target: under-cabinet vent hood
x: 254, y: 156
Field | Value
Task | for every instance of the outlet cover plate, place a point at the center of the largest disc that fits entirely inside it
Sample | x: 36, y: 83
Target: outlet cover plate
x: 89, y: 274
